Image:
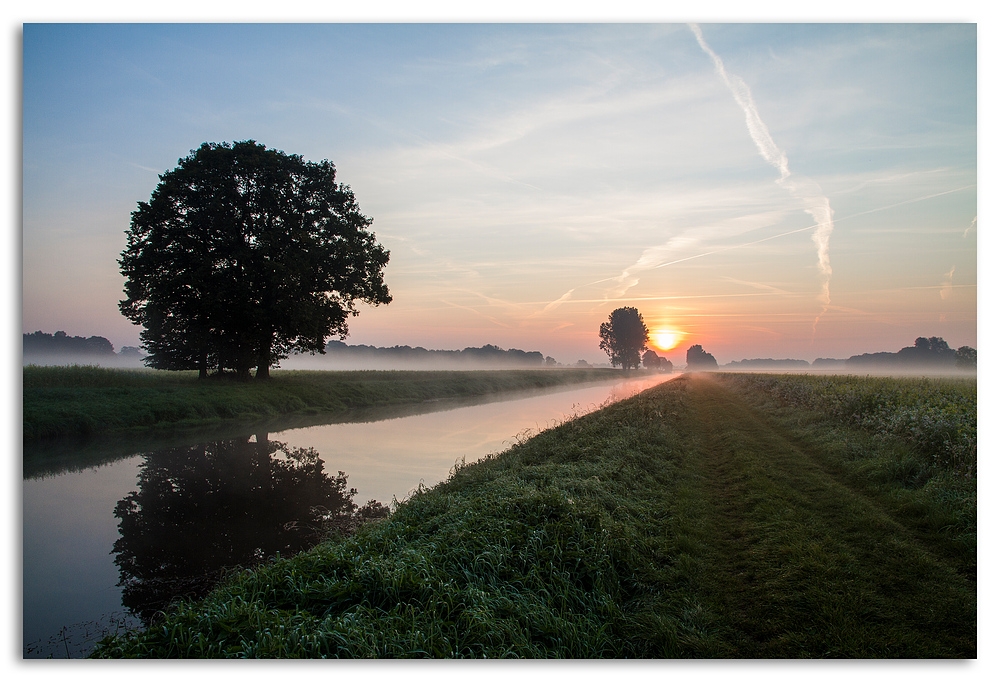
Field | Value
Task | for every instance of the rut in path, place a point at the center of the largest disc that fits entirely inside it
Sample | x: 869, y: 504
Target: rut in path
x: 797, y: 561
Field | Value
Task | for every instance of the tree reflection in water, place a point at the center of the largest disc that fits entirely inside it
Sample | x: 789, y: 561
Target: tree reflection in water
x: 204, y: 509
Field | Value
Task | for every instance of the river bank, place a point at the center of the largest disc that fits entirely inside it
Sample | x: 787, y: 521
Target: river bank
x: 707, y: 517
x: 85, y: 401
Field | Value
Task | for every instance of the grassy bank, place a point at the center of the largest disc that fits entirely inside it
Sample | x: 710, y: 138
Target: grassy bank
x: 703, y: 518
x: 71, y: 401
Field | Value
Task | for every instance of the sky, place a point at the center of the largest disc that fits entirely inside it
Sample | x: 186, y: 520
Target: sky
x: 764, y: 190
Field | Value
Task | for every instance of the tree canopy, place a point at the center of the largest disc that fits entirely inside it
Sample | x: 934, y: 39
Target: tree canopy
x: 243, y: 254
x: 624, y: 337
x: 966, y: 357
x: 698, y: 358
x: 650, y: 360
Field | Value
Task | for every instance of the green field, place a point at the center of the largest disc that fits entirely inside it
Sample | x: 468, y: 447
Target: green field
x: 746, y: 516
x: 75, y: 401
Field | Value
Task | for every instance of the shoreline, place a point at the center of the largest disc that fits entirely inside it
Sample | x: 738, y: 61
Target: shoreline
x: 707, y: 517
x: 79, y: 401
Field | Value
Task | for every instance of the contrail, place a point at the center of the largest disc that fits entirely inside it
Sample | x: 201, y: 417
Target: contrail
x: 741, y: 93
x: 947, y: 285
x: 815, y: 226
x: 971, y: 226
x: 815, y: 203
x: 809, y: 227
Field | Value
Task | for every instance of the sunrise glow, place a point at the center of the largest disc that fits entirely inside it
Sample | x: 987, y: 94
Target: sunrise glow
x: 752, y: 191
x: 665, y: 339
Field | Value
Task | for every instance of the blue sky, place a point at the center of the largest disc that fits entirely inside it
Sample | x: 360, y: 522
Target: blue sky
x: 816, y: 196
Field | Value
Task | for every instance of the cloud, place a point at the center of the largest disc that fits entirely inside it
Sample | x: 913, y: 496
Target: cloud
x: 971, y: 226
x: 686, y: 241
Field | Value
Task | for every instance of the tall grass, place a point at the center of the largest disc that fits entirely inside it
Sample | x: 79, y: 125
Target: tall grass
x: 74, y: 401
x: 935, y: 416
x: 910, y: 441
x: 683, y: 522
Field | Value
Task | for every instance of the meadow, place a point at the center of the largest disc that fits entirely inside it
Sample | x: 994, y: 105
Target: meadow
x: 87, y: 400
x: 732, y: 516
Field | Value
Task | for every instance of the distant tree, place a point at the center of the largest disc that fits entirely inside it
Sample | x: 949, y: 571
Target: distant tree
x: 244, y: 254
x: 650, y: 360
x: 926, y: 351
x: 60, y: 343
x: 666, y: 366
x: 582, y: 363
x: 624, y: 337
x: 965, y: 357
x: 697, y: 358
x: 550, y: 361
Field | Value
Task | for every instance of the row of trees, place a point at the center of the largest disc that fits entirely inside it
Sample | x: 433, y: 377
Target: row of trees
x: 244, y: 254
x: 61, y: 343
x: 925, y: 352
x: 488, y: 354
x: 624, y: 337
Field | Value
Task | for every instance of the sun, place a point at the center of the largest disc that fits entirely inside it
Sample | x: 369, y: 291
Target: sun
x: 665, y: 339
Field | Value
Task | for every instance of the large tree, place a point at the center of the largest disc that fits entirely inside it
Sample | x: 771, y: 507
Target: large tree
x: 243, y: 254
x: 624, y: 337
x: 698, y: 358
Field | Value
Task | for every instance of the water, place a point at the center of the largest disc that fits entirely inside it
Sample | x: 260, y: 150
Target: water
x: 105, y: 547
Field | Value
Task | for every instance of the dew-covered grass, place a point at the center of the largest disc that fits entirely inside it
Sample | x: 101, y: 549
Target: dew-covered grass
x: 701, y: 518
x: 84, y: 400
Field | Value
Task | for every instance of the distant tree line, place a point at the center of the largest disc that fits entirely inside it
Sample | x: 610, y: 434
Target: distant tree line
x: 53, y: 346
x: 488, y: 354
x: 767, y: 363
x: 60, y: 343
x: 925, y: 352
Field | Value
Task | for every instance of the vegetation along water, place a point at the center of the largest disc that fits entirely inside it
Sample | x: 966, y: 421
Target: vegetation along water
x: 711, y: 516
x: 83, y: 400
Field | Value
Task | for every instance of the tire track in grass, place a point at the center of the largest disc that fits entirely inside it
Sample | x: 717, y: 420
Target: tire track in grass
x: 801, y: 565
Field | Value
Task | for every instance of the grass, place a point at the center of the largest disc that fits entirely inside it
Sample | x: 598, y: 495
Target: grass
x: 702, y: 518
x: 83, y: 401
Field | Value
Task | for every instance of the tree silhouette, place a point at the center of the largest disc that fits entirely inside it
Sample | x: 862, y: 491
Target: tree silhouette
x: 650, y: 360
x: 624, y: 337
x: 965, y: 357
x: 697, y: 358
x: 243, y: 254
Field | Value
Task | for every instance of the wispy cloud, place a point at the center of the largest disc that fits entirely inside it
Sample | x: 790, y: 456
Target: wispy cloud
x: 688, y: 240
x: 971, y: 226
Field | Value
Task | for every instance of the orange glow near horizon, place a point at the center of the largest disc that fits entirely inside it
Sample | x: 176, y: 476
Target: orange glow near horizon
x: 665, y: 338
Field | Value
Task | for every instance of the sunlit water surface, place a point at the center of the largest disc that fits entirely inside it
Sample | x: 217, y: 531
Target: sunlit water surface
x: 106, y: 547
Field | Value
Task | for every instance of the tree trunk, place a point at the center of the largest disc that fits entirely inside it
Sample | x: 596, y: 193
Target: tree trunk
x: 264, y: 363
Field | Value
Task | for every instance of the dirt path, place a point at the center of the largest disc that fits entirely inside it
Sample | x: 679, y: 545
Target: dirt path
x: 795, y: 560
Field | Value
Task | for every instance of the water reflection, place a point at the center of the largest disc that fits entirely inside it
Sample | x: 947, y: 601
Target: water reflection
x: 166, y: 519
x: 200, y: 510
